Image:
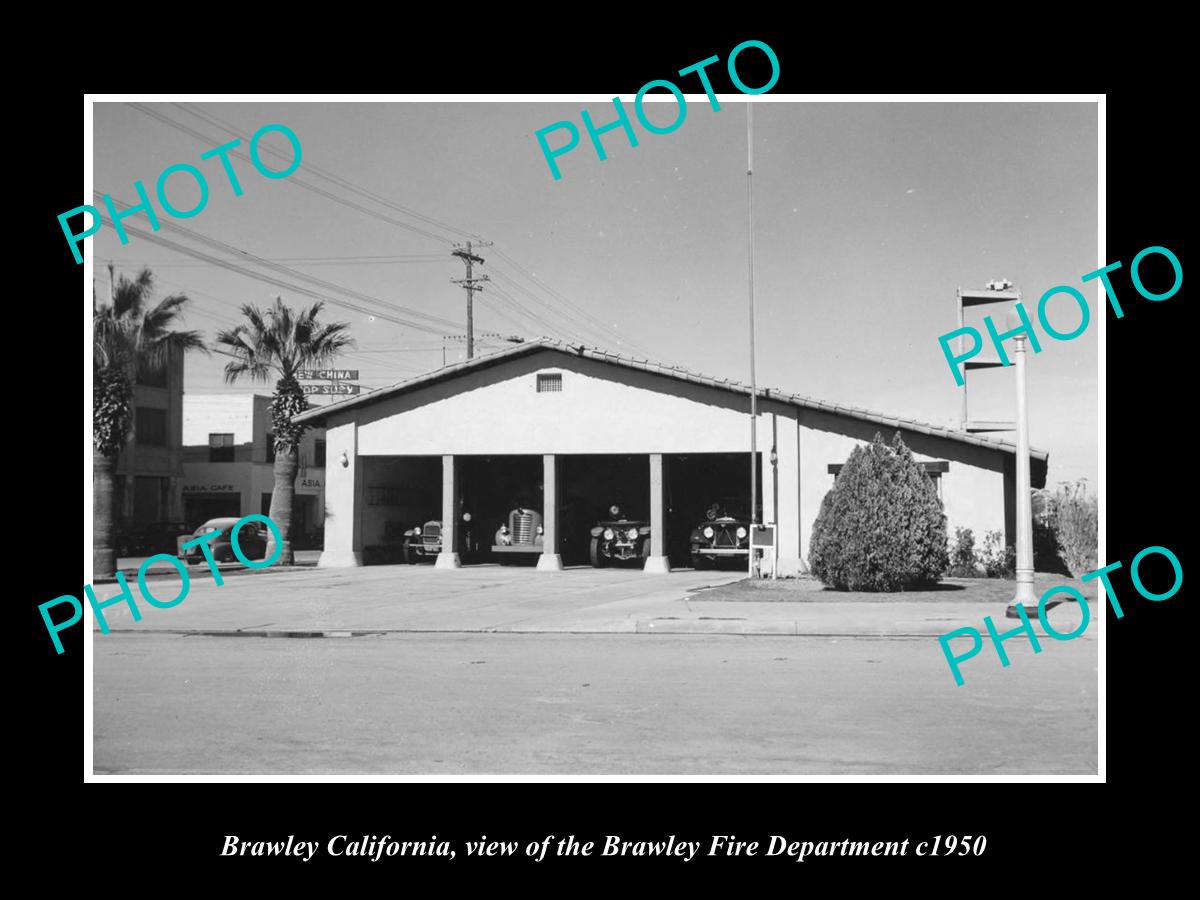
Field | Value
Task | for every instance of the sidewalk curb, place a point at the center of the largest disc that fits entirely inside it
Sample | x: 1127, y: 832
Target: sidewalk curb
x: 232, y: 568
x: 640, y: 627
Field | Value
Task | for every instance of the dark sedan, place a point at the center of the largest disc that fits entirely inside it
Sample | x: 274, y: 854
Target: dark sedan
x: 252, y: 541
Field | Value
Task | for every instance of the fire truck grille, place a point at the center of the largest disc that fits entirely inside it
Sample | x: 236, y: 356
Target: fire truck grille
x: 522, y: 528
x: 725, y: 537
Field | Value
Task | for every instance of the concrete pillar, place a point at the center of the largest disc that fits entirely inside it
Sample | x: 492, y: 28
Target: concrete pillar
x: 550, y: 560
x: 344, y: 498
x: 788, y: 535
x: 448, y: 558
x: 657, y: 562
x: 770, y: 490
x: 1010, y: 502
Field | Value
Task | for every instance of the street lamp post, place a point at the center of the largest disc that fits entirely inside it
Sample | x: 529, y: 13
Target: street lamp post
x: 1024, y: 596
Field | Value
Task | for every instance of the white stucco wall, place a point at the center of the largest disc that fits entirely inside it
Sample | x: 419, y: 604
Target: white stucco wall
x: 972, y: 490
x: 607, y: 409
x: 248, y: 418
x: 205, y: 414
x: 599, y: 410
x: 343, y: 498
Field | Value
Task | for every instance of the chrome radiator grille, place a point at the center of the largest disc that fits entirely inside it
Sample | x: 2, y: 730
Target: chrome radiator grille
x: 431, y: 534
x: 522, y: 528
x: 725, y: 536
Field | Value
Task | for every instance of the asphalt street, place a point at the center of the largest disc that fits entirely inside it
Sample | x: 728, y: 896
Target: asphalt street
x: 587, y: 704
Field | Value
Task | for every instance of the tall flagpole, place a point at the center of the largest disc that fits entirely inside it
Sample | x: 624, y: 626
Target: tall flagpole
x: 753, y: 380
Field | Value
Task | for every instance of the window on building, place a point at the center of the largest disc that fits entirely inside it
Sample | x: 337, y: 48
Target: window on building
x: 270, y: 447
x: 220, y: 448
x: 319, y: 453
x: 151, y: 499
x: 549, y: 382
x: 151, y: 426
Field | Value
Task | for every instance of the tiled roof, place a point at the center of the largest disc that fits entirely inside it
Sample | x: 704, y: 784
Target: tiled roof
x: 315, y: 416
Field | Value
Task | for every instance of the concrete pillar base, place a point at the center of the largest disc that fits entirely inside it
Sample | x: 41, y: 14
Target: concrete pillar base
x: 1025, y: 596
x: 549, y: 562
x: 338, y: 559
x: 447, y: 560
x: 657, y: 565
x: 791, y: 566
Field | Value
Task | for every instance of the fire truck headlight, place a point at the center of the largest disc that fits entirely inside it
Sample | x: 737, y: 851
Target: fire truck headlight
x: 741, y: 533
x: 608, y: 534
x: 708, y: 532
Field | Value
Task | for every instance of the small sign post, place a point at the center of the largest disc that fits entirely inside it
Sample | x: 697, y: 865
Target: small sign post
x: 762, y: 538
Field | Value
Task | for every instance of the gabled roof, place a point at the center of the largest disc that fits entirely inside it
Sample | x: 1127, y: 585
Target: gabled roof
x: 320, y: 414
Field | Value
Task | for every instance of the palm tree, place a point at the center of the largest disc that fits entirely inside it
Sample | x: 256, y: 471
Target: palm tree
x: 279, y: 342
x: 128, y: 336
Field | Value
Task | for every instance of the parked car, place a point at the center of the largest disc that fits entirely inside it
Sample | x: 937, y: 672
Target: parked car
x: 619, y: 539
x: 252, y: 540
x: 157, y: 537
x: 425, y: 541
x: 520, y: 536
x: 724, y: 533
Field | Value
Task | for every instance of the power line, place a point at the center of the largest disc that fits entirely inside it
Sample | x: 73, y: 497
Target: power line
x: 237, y: 252
x: 549, y: 328
x: 580, y: 317
x: 293, y: 179
x: 330, y: 176
x: 581, y: 312
x: 575, y: 316
x: 331, y: 261
x: 258, y: 276
x: 579, y: 327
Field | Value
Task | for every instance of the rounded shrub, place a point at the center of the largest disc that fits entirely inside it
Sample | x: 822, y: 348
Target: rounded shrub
x: 881, y: 527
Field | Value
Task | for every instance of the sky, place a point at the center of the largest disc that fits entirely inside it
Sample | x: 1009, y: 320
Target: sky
x: 867, y: 218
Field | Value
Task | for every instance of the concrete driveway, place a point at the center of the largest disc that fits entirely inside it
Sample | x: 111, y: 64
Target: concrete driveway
x: 309, y: 602
x: 413, y: 598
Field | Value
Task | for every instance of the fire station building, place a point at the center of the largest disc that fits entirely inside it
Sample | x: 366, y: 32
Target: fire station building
x: 569, y: 431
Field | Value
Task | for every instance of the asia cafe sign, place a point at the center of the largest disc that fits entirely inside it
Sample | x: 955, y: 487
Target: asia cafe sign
x: 336, y: 379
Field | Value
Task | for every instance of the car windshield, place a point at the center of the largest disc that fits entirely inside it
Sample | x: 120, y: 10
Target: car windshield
x: 729, y: 508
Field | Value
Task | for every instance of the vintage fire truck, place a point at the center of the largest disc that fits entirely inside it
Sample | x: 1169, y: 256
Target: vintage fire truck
x: 425, y: 541
x: 619, y: 539
x: 724, y: 533
x: 520, y: 536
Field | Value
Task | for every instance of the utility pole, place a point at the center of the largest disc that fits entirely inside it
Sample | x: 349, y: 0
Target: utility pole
x: 753, y: 379
x: 112, y: 284
x: 470, y: 285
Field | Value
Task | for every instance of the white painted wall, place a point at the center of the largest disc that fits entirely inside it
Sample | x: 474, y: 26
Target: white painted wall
x: 498, y: 411
x: 248, y: 418
x: 205, y: 414
x: 972, y: 496
x: 605, y: 409
x: 344, y: 501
